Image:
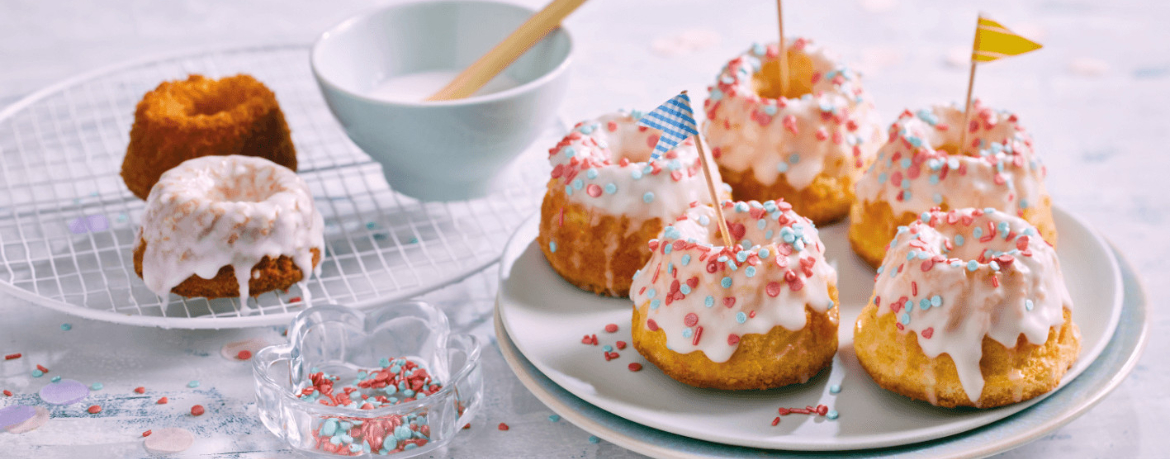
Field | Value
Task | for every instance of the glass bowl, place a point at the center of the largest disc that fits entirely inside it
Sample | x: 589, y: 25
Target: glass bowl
x: 349, y: 383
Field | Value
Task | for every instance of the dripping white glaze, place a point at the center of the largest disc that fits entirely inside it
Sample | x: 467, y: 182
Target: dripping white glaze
x: 834, y: 129
x: 605, y: 163
x: 218, y: 211
x: 938, y: 278
x: 706, y: 297
x: 915, y: 172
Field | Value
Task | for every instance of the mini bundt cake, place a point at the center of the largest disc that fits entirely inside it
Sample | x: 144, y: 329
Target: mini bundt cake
x: 181, y: 120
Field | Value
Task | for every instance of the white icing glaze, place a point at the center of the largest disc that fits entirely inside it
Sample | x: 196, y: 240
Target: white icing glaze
x: 689, y: 268
x: 605, y: 163
x: 940, y: 276
x: 217, y: 211
x: 798, y: 138
x: 913, y: 174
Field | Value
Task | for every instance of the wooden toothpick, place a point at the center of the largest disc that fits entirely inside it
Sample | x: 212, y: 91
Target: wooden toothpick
x: 711, y: 188
x: 783, y: 51
x: 967, y: 110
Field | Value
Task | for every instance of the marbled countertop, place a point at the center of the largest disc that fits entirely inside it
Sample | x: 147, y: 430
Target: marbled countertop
x: 1095, y: 100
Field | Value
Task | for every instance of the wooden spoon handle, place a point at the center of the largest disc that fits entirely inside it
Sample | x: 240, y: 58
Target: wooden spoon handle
x: 497, y: 59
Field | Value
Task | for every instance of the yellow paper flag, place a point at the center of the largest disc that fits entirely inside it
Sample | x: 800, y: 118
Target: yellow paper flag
x: 994, y: 41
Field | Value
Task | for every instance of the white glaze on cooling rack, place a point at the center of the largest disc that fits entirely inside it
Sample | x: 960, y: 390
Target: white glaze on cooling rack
x: 913, y: 174
x: 954, y: 277
x: 706, y: 297
x: 798, y: 138
x: 605, y: 163
x: 217, y: 211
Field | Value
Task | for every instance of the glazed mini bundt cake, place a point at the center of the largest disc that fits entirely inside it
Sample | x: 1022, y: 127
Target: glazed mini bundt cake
x: 607, y: 197
x: 970, y: 309
x: 808, y: 146
x: 922, y: 167
x: 181, y: 120
x: 228, y: 226
x: 756, y: 315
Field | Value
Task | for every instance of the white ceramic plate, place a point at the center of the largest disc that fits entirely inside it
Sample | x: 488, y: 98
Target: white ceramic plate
x: 546, y: 318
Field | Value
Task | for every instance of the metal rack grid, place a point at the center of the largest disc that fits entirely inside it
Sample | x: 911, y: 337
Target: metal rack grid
x: 68, y: 223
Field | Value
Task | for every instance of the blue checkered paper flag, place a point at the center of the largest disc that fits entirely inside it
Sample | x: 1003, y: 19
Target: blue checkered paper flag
x: 675, y: 119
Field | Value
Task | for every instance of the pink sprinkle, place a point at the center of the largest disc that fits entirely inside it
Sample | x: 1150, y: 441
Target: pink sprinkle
x: 7, y: 393
x: 652, y: 141
x: 94, y: 409
x: 244, y: 355
x: 698, y: 334
x: 790, y: 124
x: 634, y: 366
x: 140, y: 390
x: 197, y: 410
x: 732, y: 339
x: 620, y: 345
x: 161, y: 401
x: 593, y: 189
x: 611, y: 328
x: 502, y: 426
x: 729, y: 301
x: 773, y: 289
x: 776, y: 421
x: 146, y: 434
x: 928, y: 333
x: 651, y: 324
x: 12, y: 356
x: 611, y: 126
x: 691, y: 319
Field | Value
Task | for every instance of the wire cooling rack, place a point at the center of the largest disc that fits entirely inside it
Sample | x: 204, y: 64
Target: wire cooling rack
x: 68, y: 223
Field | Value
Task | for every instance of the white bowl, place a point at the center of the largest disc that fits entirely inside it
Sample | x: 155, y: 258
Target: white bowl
x: 447, y: 150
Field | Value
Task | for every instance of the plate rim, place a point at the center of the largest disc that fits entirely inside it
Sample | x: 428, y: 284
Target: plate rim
x: 1020, y: 437
x: 1117, y: 303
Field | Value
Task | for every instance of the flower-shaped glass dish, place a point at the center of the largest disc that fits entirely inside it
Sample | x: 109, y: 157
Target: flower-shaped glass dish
x: 388, y: 381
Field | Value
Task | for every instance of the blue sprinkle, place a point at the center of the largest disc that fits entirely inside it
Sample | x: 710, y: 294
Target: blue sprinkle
x: 568, y: 190
x: 882, y: 177
x: 924, y: 304
x: 66, y: 327
x: 761, y: 224
x: 703, y: 220
x: 610, y: 188
x: 906, y: 318
x: 750, y: 271
x: 905, y: 162
x: 741, y: 207
x: 651, y: 293
x: 1023, y: 203
x: 686, y: 259
x: 552, y: 246
x: 687, y: 332
x: 715, y: 94
x: 648, y: 197
x: 329, y: 427
x: 972, y: 265
x: 569, y: 152
x: 1028, y: 305
x: 709, y: 301
x: 636, y: 174
x: 905, y: 193
x: 55, y: 379
x: 741, y: 256
x: 794, y: 158
x: 591, y: 174
x: 726, y: 282
x: 933, y: 179
x: 937, y: 198
x: 835, y: 389
x: 936, y: 301
x: 685, y: 289
x: 740, y: 317
x: 782, y: 167
x: 994, y: 265
x: 654, y: 304
x: 592, y: 439
x: 578, y: 184
x: 554, y: 417
x: 832, y: 415
x: 770, y: 110
x: 831, y: 304
x: 759, y: 49
x: 607, y: 348
x: 96, y: 386
x: 193, y: 384
x: 764, y: 253
x: 959, y: 240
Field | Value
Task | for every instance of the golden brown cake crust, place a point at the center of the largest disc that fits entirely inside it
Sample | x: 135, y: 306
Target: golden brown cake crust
x: 872, y: 226
x: 185, y: 119
x: 760, y: 362
x: 583, y: 235
x: 896, y: 363
x: 273, y: 275
x: 824, y: 201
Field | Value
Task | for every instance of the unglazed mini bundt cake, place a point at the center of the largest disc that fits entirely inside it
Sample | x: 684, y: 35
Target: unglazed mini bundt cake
x: 921, y: 167
x: 970, y: 309
x: 606, y: 198
x: 757, y: 315
x: 181, y: 120
x: 227, y: 226
x: 808, y: 146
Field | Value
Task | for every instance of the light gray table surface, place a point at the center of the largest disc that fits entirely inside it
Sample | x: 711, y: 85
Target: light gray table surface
x: 1095, y: 99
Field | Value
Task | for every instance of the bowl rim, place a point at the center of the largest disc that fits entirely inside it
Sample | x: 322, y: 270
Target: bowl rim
x: 536, y: 83
x: 260, y: 369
